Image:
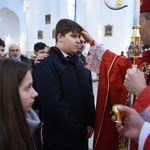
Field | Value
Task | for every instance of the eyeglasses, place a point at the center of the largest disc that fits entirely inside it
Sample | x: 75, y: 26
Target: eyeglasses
x: 14, y: 50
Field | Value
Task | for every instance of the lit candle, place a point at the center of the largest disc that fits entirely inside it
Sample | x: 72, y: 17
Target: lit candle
x: 136, y: 12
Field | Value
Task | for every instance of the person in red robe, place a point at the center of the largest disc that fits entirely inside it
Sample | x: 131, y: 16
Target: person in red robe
x: 111, y: 90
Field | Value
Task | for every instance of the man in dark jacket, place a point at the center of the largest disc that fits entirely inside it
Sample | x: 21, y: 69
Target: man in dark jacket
x: 66, y: 98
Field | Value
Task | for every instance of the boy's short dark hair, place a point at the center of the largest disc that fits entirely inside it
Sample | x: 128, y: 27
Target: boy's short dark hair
x: 2, y: 43
x: 38, y: 46
x: 66, y: 25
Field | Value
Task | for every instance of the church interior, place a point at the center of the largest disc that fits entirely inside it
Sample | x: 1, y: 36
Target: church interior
x: 26, y: 22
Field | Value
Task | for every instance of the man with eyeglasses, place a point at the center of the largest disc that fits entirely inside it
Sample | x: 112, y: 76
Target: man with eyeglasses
x: 15, y: 53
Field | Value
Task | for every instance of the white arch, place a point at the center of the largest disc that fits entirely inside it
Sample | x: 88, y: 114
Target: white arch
x: 9, y: 26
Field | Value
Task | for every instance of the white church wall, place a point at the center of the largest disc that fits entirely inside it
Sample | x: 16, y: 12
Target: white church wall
x: 92, y: 14
x: 11, y: 21
x: 97, y: 15
x: 122, y: 21
x: 35, y: 18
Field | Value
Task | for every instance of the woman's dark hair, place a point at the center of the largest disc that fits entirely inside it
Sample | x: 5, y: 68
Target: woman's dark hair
x: 14, y: 133
x: 66, y: 25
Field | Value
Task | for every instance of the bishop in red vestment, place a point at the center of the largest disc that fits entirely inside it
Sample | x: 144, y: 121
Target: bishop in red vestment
x: 112, y: 69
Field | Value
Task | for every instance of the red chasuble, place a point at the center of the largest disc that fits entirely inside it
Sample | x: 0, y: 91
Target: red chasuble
x: 110, y: 91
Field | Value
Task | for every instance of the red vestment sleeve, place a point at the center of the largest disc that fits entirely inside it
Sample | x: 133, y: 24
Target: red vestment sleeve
x: 143, y: 101
x: 147, y: 143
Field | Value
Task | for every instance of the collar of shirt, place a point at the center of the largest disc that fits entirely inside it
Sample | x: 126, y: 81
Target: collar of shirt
x: 19, y: 58
x: 64, y: 54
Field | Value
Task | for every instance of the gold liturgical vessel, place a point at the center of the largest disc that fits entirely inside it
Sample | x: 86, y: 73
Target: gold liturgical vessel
x: 119, y: 115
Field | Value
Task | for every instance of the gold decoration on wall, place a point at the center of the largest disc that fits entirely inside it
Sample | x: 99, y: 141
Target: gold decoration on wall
x: 119, y: 3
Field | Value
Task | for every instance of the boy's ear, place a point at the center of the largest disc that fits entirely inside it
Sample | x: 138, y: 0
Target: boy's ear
x: 35, y: 52
x: 59, y: 37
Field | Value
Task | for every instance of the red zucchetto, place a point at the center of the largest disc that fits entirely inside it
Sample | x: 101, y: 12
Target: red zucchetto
x: 145, y: 6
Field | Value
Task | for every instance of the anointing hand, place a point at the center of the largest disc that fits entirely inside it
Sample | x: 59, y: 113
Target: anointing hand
x: 86, y: 35
x: 40, y: 57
